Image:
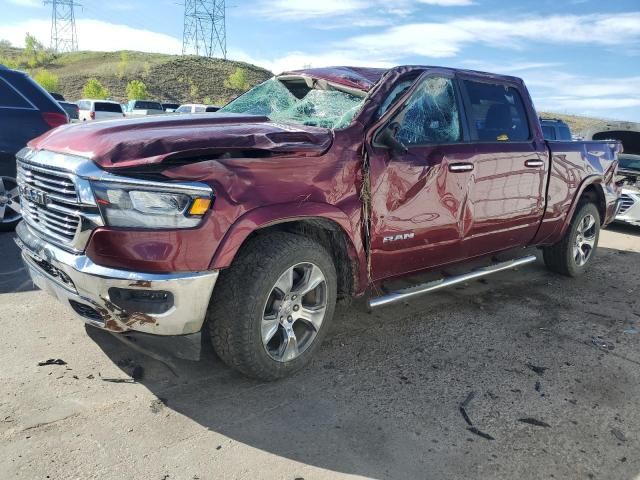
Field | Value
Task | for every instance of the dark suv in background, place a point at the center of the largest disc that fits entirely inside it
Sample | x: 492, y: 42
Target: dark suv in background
x: 26, y: 112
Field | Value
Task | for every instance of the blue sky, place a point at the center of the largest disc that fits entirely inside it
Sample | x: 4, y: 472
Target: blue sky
x: 577, y: 56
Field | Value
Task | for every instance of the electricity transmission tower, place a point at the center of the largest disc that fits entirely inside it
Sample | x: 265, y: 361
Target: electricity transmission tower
x: 63, y: 25
x: 204, y: 28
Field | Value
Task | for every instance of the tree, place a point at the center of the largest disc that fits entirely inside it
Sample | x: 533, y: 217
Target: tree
x: 94, y: 89
x: 137, y: 90
x: 35, y: 53
x: 237, y: 80
x: 47, y: 80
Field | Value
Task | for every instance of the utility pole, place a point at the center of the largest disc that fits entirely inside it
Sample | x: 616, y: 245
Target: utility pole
x: 204, y: 31
x: 63, y: 26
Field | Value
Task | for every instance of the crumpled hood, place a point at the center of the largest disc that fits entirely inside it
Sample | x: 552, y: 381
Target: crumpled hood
x: 149, y: 140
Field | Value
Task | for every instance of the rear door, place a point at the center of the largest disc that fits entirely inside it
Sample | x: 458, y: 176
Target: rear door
x: 418, y: 194
x: 506, y: 195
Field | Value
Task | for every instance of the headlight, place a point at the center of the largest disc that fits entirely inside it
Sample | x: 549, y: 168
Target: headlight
x: 136, y: 206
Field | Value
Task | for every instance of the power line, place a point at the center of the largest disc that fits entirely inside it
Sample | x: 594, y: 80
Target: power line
x: 63, y: 25
x: 204, y: 31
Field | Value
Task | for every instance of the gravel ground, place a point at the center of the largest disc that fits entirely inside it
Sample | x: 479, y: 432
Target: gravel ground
x: 381, y: 400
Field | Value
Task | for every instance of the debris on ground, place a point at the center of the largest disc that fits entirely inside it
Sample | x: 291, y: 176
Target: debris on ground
x: 465, y: 416
x: 537, y: 369
x: 602, y: 344
x: 52, y: 361
x: 463, y: 410
x: 537, y: 386
x: 480, y: 433
x: 119, y: 380
x: 535, y: 422
x: 618, y: 434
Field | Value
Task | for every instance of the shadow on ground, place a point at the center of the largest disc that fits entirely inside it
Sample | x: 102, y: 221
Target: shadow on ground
x: 13, y: 274
x: 382, y: 399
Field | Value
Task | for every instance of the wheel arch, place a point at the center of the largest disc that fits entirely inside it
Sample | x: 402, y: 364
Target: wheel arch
x: 325, y: 224
x: 590, y: 190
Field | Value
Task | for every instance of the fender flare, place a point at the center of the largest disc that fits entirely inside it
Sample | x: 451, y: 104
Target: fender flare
x: 587, y: 182
x: 270, y: 215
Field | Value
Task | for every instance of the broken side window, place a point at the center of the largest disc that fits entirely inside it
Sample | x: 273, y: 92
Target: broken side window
x: 431, y: 115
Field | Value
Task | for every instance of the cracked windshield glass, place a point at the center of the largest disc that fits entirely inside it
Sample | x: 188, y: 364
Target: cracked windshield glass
x: 318, y: 108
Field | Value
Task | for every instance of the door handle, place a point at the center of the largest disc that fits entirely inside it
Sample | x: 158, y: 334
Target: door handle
x: 460, y: 167
x: 534, y: 163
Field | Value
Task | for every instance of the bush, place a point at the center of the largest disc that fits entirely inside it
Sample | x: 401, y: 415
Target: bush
x: 237, y: 80
x: 47, y: 80
x: 94, y: 89
x: 137, y: 90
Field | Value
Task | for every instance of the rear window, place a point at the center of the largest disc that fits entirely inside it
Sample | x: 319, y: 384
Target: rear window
x: 549, y: 133
x: 108, y: 107
x: 10, y: 98
x: 564, y: 133
x: 141, y: 105
x: 496, y: 113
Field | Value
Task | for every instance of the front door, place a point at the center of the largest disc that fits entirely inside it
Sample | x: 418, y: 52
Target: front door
x: 419, y: 186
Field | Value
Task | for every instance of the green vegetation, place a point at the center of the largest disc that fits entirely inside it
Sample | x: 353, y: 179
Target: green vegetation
x: 137, y: 90
x: 170, y: 78
x: 238, y: 81
x: 47, y: 80
x: 33, y: 55
x: 94, y: 89
x: 124, y: 63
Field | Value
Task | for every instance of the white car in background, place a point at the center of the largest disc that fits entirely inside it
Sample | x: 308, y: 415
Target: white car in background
x: 89, y: 110
x: 192, y: 108
x: 143, y: 107
x: 629, y: 175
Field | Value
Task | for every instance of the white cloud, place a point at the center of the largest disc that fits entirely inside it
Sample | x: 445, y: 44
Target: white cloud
x: 447, y: 39
x: 96, y: 35
x: 300, y: 60
x: 366, y: 10
x: 27, y: 3
x: 448, y: 3
x: 306, y: 9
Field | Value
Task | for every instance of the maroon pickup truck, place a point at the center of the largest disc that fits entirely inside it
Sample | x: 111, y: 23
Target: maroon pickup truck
x: 314, y: 185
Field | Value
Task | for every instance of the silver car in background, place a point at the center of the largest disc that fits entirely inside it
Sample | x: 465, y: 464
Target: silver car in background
x: 629, y: 173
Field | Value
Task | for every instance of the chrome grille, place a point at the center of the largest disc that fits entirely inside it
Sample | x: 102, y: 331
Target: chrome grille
x: 626, y: 202
x: 56, y: 212
x: 57, y: 185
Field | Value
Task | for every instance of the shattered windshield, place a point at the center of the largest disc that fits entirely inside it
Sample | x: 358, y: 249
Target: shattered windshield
x: 318, y: 108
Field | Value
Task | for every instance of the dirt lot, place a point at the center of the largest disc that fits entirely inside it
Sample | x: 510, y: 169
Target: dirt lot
x: 382, y: 400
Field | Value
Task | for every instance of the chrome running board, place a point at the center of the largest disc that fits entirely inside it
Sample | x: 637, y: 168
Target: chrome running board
x: 416, y: 290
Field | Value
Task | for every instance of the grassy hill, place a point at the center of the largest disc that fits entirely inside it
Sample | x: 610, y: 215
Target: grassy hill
x: 576, y: 123
x: 171, y: 78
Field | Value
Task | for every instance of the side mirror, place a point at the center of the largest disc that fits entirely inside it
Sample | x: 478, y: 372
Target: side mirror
x: 387, y: 137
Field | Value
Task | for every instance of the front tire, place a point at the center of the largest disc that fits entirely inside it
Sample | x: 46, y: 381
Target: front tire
x: 574, y: 253
x: 272, y: 308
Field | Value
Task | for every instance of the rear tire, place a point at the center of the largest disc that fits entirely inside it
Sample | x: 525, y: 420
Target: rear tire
x: 572, y: 255
x: 261, y: 321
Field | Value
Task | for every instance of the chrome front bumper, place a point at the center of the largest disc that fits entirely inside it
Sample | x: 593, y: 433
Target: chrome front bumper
x: 84, y: 287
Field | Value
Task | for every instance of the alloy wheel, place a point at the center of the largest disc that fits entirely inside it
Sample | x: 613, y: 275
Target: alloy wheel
x: 294, y: 312
x: 585, y: 240
x: 9, y: 200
